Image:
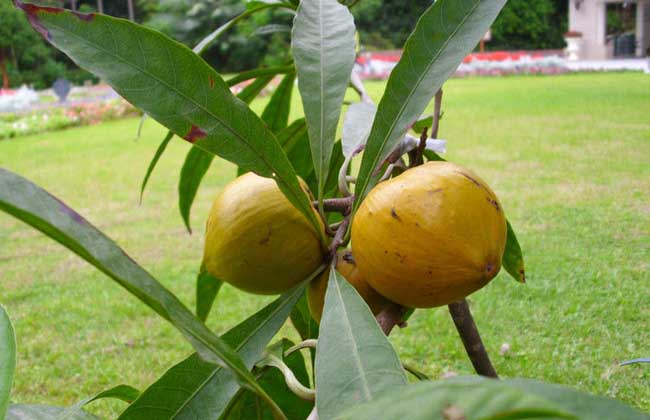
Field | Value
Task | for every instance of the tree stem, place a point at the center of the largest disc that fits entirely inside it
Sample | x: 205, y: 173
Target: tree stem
x: 468, y: 332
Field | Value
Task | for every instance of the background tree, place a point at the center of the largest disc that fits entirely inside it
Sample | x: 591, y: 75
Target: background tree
x: 530, y: 25
x: 24, y: 56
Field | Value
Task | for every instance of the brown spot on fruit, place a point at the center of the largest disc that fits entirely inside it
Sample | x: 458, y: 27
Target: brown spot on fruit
x: 471, y: 178
x: 195, y: 134
x: 436, y: 191
x: 265, y: 240
x: 394, y: 214
x: 493, y: 202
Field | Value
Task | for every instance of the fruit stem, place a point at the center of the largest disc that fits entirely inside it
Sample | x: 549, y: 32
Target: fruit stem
x: 390, y: 316
x: 338, y: 237
x: 468, y: 332
x: 339, y: 205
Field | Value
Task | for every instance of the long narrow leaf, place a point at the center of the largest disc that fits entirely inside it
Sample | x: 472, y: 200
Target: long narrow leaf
x: 354, y: 360
x: 276, y: 113
x: 47, y: 412
x: 123, y: 392
x: 36, y: 207
x: 446, y: 32
x: 198, y: 389
x: 207, y: 288
x: 7, y: 360
x: 467, y: 398
x: 154, y: 161
x: 323, y: 47
x: 513, y: 258
x: 196, y: 165
x: 208, y: 40
x: 255, y: 73
x: 174, y: 86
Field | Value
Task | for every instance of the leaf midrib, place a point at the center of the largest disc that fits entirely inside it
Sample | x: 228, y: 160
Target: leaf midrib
x: 348, y: 328
x: 366, y: 180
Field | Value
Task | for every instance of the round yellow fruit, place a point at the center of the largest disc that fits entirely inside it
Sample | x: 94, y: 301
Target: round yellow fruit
x: 346, y: 266
x: 430, y: 236
x: 257, y: 241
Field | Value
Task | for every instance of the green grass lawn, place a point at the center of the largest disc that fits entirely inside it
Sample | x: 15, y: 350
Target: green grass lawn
x: 568, y: 156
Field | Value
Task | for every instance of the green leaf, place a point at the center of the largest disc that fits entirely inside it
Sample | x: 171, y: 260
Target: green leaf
x: 251, y: 91
x: 7, y: 359
x: 288, y: 136
x: 251, y: 8
x: 246, y: 405
x: 302, y: 321
x: 247, y: 95
x: 456, y: 399
x: 420, y: 125
x: 355, y: 362
x: 276, y: 113
x: 331, y: 185
x: 356, y: 126
x: 47, y: 412
x: 207, y: 288
x: 196, y: 165
x: 584, y: 406
x: 36, y: 207
x: 253, y: 4
x: 174, y: 86
x: 443, y: 36
x: 255, y: 73
x: 323, y: 46
x: 122, y: 392
x: 298, y: 151
x: 154, y: 161
x: 272, y: 28
x: 198, y: 389
x: 513, y: 259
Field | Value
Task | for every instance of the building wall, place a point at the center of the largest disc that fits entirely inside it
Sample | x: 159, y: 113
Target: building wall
x: 643, y: 29
x: 590, y: 20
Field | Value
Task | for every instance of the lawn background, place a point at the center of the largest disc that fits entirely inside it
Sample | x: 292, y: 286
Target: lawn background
x: 567, y: 155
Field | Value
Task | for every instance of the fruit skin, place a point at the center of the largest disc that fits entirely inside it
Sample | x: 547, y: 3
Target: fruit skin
x: 430, y: 236
x: 257, y: 241
x: 347, y: 267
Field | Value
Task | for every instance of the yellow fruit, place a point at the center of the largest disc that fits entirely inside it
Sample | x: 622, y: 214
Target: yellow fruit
x: 257, y: 241
x: 346, y: 266
x: 430, y: 236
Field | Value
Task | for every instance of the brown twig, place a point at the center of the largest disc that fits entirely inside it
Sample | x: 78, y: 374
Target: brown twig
x: 338, y: 237
x: 339, y: 205
x: 468, y: 332
x: 437, y: 108
x: 419, y: 159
